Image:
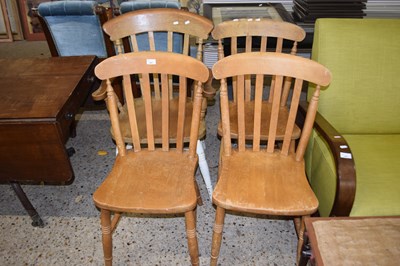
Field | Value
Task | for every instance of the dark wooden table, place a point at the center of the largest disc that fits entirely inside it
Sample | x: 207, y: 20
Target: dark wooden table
x: 354, y: 240
x: 38, y: 102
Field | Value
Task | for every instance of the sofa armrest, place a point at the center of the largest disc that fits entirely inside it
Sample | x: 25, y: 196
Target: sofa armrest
x: 345, y: 166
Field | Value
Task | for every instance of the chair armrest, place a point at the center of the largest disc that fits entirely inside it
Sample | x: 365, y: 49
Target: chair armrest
x: 101, y: 93
x: 345, y: 167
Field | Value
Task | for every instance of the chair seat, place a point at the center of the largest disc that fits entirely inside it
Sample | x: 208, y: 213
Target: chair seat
x: 265, y: 115
x: 256, y: 182
x: 151, y: 182
x: 157, y: 111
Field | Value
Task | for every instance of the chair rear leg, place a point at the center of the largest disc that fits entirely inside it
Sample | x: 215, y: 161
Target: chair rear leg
x: 190, y: 221
x: 105, y: 217
x: 217, y: 235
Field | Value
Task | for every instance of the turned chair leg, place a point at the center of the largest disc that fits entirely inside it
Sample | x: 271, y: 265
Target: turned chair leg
x: 105, y: 217
x: 204, y: 169
x: 301, y: 239
x: 217, y: 235
x: 190, y: 221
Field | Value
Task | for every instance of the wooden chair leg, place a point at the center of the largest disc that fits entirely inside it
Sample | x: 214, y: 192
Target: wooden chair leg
x: 301, y: 239
x: 190, y: 221
x: 105, y: 217
x: 217, y: 235
x: 199, y: 198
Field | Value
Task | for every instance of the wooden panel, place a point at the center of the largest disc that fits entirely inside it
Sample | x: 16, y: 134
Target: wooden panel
x: 33, y: 153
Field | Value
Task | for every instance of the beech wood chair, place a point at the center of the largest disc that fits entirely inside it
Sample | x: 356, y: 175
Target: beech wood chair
x: 176, y: 24
x: 265, y: 179
x: 156, y: 179
x: 258, y: 35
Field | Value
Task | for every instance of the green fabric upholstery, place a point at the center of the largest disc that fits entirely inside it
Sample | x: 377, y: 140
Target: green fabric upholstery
x: 378, y: 179
x: 321, y: 172
x: 363, y: 104
x: 364, y: 58
x: 377, y: 159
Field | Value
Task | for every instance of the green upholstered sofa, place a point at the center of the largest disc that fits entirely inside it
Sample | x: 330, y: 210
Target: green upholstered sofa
x: 353, y: 157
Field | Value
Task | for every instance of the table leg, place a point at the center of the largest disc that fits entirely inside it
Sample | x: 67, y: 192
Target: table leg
x: 36, y: 220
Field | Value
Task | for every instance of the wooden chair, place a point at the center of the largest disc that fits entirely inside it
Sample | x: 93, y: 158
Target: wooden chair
x: 261, y: 35
x: 156, y: 179
x: 175, y: 24
x: 264, y: 179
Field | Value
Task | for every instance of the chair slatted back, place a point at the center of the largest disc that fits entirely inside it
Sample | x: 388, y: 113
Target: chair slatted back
x: 163, y: 64
x: 267, y: 31
x: 257, y: 65
x: 177, y: 25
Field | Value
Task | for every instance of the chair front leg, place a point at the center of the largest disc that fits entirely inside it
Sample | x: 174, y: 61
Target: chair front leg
x: 300, y: 242
x: 217, y: 235
x: 190, y: 221
x: 105, y: 217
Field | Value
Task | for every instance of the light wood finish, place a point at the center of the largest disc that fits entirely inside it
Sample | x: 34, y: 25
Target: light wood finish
x: 265, y: 179
x: 124, y: 29
x: 354, y: 240
x: 153, y: 178
x: 266, y: 33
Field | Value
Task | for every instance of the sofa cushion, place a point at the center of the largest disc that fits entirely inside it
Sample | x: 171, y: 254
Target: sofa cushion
x: 363, y: 56
x: 377, y: 160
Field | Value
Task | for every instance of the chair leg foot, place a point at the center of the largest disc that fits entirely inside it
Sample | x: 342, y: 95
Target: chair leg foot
x: 217, y: 235
x: 190, y: 221
x: 106, y: 236
x: 204, y: 169
x: 301, y: 239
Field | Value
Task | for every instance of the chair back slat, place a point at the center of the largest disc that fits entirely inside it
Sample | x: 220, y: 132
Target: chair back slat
x: 181, y: 114
x: 241, y: 113
x: 256, y: 34
x: 132, y: 113
x: 165, y: 65
x: 257, y: 112
x: 263, y: 45
x: 274, y: 114
x: 287, y: 140
x: 165, y: 87
x: 147, y: 99
x: 260, y: 64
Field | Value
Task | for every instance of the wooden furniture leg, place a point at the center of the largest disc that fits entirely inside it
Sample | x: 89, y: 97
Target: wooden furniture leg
x: 301, y: 239
x: 36, y: 220
x: 190, y: 221
x: 217, y: 235
x: 105, y: 217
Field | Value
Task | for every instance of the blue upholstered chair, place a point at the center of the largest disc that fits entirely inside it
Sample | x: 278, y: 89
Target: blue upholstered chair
x: 75, y: 28
x: 160, y: 38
